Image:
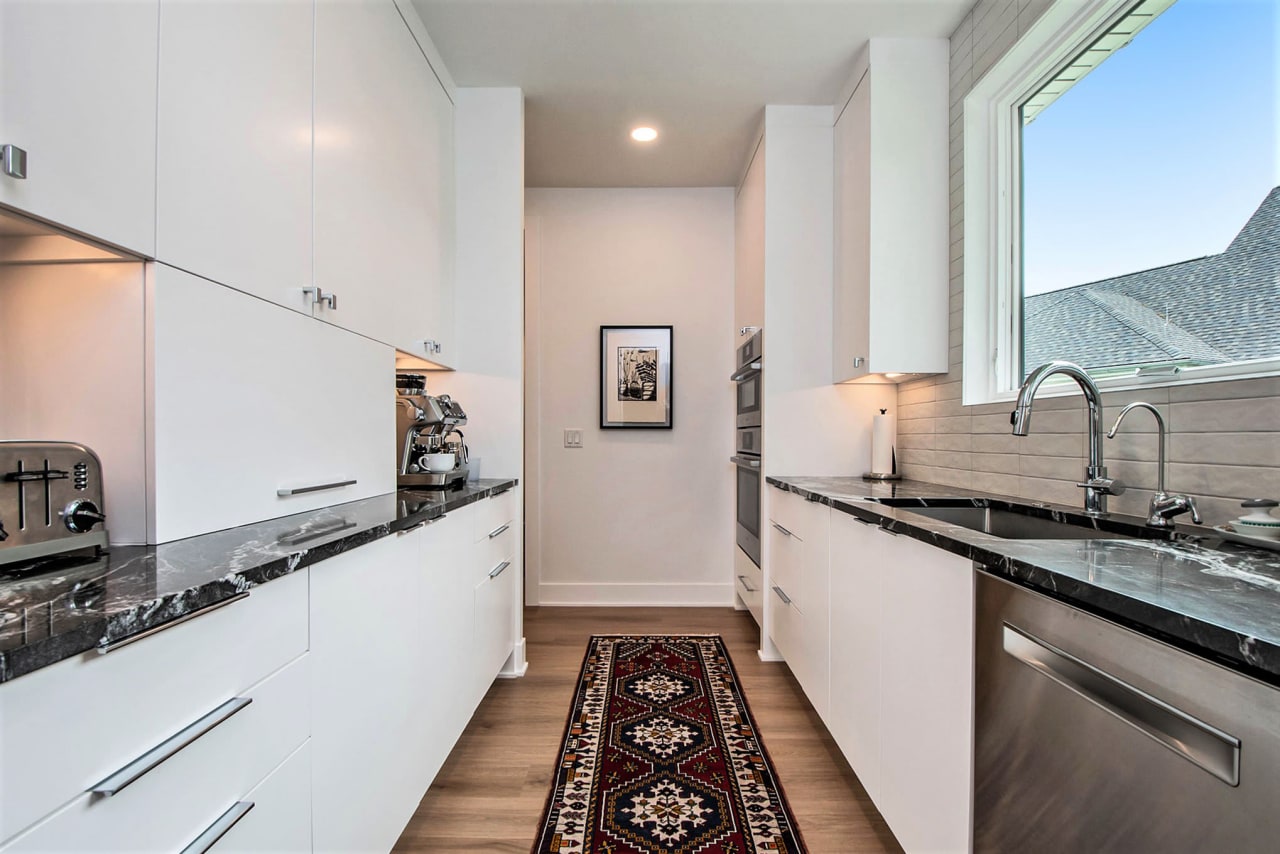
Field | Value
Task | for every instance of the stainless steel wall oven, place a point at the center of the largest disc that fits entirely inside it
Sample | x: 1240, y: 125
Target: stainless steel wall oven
x: 748, y: 377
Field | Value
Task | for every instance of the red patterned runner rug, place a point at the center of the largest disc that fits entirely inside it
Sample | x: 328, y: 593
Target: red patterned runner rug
x: 661, y: 756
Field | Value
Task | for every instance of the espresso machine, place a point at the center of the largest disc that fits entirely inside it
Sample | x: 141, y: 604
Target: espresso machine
x: 427, y: 430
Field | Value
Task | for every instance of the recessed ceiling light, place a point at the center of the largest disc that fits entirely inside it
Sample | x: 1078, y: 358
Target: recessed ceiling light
x: 644, y: 134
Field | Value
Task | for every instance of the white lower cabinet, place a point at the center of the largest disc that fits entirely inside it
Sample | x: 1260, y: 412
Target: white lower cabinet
x: 407, y: 635
x: 55, y: 750
x: 364, y: 715
x: 798, y: 564
x: 279, y: 818
x: 926, y: 713
x: 902, y: 680
x: 854, y: 719
x: 172, y: 804
x: 749, y: 584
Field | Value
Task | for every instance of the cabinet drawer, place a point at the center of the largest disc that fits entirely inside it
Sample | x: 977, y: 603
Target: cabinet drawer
x: 786, y: 557
x: 65, y: 728
x: 171, y: 804
x: 280, y: 819
x: 495, y: 596
x: 493, y: 513
x: 785, y: 626
x: 748, y: 583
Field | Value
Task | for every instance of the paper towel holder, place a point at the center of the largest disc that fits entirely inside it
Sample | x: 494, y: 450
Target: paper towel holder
x: 892, y: 474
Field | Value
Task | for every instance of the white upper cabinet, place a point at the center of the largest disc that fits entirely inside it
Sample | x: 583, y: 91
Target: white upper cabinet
x: 234, y: 144
x: 890, y: 304
x: 257, y: 412
x: 78, y: 96
x: 383, y: 180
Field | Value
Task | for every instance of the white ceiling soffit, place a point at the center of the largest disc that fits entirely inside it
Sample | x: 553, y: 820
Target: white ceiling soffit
x: 697, y: 70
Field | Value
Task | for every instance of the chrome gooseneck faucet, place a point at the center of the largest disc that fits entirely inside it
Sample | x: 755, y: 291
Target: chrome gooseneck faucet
x: 1097, y: 486
x: 1163, y: 505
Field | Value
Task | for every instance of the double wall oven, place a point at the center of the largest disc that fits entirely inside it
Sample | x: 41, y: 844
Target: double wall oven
x: 749, y: 379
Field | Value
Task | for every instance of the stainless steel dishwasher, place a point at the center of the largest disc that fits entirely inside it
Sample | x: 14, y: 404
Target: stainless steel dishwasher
x: 1090, y: 737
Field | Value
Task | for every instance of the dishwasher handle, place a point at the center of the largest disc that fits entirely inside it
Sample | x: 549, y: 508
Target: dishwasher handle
x: 1200, y: 743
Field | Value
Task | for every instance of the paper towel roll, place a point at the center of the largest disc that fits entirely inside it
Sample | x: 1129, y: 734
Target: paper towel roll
x: 882, y: 442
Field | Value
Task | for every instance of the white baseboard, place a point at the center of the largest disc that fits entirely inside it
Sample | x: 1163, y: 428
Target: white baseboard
x: 637, y: 595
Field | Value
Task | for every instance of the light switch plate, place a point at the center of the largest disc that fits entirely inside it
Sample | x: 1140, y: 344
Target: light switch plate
x: 573, y: 437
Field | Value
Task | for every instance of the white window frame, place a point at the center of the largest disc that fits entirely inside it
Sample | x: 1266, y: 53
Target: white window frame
x: 992, y: 209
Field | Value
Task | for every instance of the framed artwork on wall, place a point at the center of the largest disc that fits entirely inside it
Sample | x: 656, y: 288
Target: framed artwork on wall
x: 635, y: 377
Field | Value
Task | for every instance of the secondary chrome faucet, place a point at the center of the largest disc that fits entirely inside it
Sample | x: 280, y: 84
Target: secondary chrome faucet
x: 1097, y: 486
x: 1163, y: 505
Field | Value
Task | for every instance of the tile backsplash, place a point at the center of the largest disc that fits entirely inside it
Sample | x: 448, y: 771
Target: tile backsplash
x: 1224, y: 442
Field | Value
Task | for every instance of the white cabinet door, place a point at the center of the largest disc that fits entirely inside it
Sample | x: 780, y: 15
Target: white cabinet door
x: 383, y: 179
x: 892, y: 214
x: 234, y: 144
x: 78, y: 94
x: 851, y: 298
x: 856, y: 600
x: 926, y: 713
x: 814, y: 673
x: 364, y: 714
x: 280, y: 820
x: 444, y: 595
x: 248, y: 399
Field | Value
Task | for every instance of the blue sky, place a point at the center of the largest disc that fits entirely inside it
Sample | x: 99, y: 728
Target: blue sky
x: 1161, y: 153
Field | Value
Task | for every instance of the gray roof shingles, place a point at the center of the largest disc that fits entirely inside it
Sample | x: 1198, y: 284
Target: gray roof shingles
x: 1221, y: 308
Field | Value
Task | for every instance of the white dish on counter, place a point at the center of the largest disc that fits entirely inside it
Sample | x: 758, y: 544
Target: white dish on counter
x: 1229, y: 533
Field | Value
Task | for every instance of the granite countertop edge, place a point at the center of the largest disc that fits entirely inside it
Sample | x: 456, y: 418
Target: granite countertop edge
x: 1238, y: 650
x: 224, y: 581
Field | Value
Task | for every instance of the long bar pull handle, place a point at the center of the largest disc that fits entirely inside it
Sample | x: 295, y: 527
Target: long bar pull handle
x: 219, y: 828
x: 786, y: 600
x: 105, y: 646
x: 1191, y: 738
x: 499, y: 569
x: 782, y: 530
x: 286, y: 491
x: 168, y: 748
x: 745, y: 586
x: 498, y: 531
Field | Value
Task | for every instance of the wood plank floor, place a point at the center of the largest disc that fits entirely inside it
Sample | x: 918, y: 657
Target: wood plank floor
x: 490, y: 793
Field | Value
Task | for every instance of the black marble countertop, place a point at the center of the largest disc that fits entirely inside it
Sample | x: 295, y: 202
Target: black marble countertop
x: 54, y: 608
x: 1213, y: 598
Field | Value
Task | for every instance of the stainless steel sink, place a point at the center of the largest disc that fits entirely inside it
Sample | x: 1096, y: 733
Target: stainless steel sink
x: 1011, y: 525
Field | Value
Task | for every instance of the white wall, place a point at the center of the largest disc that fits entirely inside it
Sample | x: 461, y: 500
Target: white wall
x: 86, y: 385
x: 635, y: 516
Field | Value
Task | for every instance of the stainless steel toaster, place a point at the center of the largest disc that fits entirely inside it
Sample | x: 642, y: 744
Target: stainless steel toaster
x: 50, y: 500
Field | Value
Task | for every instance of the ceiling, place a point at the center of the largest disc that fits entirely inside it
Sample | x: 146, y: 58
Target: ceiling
x: 699, y: 71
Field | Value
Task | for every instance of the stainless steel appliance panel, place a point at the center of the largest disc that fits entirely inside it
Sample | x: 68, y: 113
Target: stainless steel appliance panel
x: 1092, y: 737
x: 750, y: 393
x: 748, y: 514
x: 749, y: 441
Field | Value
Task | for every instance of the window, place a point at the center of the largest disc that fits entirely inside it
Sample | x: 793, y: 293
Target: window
x: 1122, y: 197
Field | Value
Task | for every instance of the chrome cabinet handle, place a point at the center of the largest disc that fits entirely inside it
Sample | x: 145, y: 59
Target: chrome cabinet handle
x: 857, y: 361
x: 745, y: 586
x: 15, y: 161
x: 168, y: 748
x: 498, y: 531
x: 219, y: 828
x: 330, y: 299
x: 284, y: 492
x: 502, y: 491
x: 105, y: 646
x: 865, y: 521
x: 783, y: 530
x: 1191, y: 738
x: 887, y: 531
x: 499, y: 569
x: 786, y: 600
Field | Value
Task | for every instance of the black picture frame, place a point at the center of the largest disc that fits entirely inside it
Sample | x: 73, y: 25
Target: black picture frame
x: 637, y: 377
